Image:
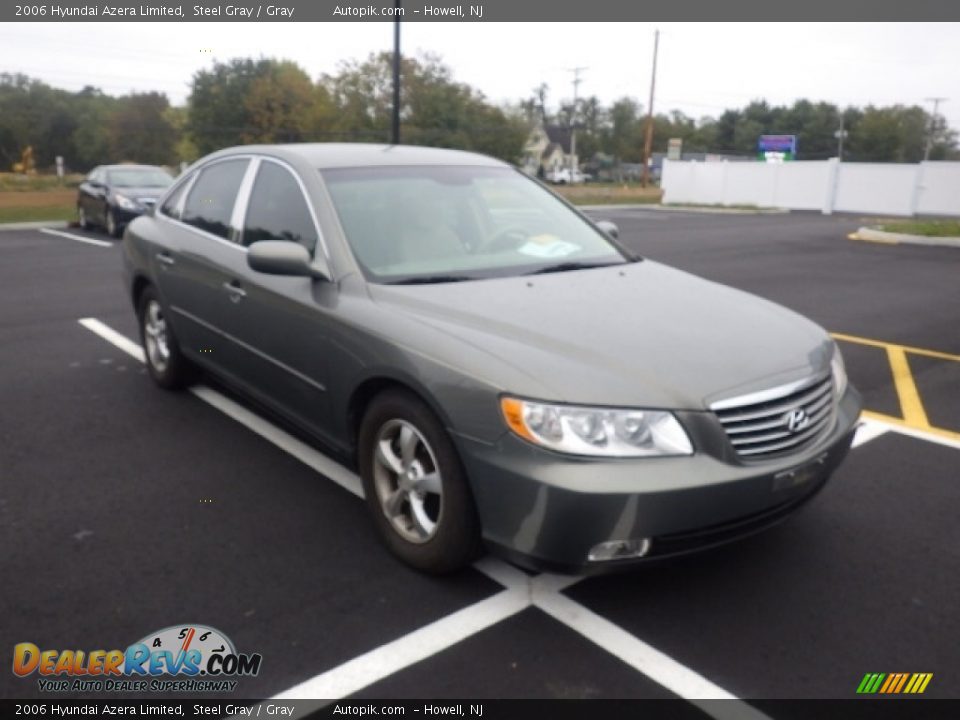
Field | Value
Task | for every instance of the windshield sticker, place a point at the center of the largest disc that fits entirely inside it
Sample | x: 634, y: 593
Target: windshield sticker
x: 547, y: 246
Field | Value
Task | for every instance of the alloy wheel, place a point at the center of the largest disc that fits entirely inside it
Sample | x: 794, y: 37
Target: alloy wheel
x: 407, y: 481
x: 155, y: 336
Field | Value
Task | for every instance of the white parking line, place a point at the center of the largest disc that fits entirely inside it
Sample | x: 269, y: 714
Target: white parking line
x: 285, y: 441
x: 405, y: 651
x: 916, y: 433
x: 113, y: 337
x: 78, y: 238
x: 868, y: 430
x: 657, y: 666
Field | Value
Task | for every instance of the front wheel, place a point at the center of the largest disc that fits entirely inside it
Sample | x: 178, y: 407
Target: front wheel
x: 415, y: 487
x: 82, y: 218
x: 167, y: 365
x: 113, y: 228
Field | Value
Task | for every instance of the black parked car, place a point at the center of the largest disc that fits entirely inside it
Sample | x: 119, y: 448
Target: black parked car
x: 113, y: 195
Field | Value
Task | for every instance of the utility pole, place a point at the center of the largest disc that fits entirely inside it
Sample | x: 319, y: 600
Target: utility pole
x: 573, y: 121
x: 395, y: 134
x: 933, y: 124
x: 648, y: 140
x: 840, y: 135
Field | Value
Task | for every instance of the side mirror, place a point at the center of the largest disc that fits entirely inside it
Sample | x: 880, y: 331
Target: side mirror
x: 609, y: 228
x: 283, y: 257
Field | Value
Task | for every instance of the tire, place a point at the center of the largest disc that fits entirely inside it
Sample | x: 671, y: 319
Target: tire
x: 165, y: 362
x: 82, y: 220
x: 113, y: 229
x: 404, y: 504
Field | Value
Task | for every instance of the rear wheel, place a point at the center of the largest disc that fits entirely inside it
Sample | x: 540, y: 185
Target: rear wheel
x: 167, y: 365
x: 82, y: 218
x: 415, y: 487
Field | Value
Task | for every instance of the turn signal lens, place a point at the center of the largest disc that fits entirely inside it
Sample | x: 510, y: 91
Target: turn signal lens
x: 839, y: 372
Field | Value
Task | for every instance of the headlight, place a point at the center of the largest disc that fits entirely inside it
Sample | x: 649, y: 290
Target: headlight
x: 603, y: 432
x: 839, y: 371
x: 124, y: 202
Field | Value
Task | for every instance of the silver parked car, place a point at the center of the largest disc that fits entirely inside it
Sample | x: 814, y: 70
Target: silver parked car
x: 499, y: 369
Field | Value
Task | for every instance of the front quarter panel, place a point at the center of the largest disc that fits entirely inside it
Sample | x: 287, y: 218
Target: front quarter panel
x: 136, y: 244
x: 374, y: 344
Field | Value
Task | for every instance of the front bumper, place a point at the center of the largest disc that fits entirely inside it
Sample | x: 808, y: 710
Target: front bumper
x: 124, y: 217
x: 546, y: 511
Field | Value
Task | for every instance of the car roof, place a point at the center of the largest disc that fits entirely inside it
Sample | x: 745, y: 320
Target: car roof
x: 130, y: 166
x: 338, y: 155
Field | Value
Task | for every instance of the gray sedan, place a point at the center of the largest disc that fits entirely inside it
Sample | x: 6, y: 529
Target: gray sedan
x: 499, y: 369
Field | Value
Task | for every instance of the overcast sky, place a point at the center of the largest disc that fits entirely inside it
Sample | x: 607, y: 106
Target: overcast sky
x: 703, y: 69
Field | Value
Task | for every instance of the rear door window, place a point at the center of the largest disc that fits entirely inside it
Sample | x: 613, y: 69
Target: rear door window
x: 210, y: 203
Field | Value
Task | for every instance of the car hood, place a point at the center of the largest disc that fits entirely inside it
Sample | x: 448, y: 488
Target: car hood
x: 140, y: 193
x: 641, y: 334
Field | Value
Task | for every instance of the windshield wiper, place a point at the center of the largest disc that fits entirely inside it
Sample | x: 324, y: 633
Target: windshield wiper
x: 431, y: 279
x: 565, y: 266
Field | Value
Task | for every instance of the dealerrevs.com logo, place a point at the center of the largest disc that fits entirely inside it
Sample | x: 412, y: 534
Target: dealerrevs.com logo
x: 180, y: 658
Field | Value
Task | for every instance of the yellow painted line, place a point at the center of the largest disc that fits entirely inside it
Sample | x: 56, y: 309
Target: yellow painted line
x: 910, y: 403
x: 926, y: 681
x: 900, y: 422
x: 915, y: 680
x: 907, y: 348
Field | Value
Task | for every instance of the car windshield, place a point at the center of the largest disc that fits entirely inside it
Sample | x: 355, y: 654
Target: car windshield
x: 139, y: 177
x: 423, y: 224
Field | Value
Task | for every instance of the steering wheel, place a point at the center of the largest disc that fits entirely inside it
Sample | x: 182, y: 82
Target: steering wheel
x: 506, y: 238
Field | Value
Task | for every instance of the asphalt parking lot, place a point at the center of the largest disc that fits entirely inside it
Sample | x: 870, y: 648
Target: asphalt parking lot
x: 125, y: 509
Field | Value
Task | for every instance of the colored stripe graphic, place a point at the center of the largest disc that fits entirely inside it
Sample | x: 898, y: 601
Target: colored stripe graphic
x: 891, y: 679
x: 894, y: 683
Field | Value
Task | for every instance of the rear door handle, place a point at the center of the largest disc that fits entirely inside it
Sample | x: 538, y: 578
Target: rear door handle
x: 236, y: 292
x: 165, y: 258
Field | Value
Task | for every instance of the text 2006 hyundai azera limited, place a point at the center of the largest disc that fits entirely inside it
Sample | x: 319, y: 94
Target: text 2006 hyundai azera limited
x: 499, y: 368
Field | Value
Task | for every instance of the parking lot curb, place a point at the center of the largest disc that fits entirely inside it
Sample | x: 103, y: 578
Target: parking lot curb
x: 705, y: 209
x: 881, y: 236
x: 720, y: 209
x: 36, y: 225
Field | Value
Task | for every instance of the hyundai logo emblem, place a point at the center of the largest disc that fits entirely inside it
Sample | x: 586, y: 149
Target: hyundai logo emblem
x: 796, y: 420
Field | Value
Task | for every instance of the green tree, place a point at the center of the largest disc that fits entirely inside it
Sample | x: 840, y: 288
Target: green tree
x: 436, y: 109
x: 218, y: 110
x: 90, y: 139
x: 35, y: 114
x: 140, y: 131
x: 280, y: 105
x: 626, y: 131
x: 184, y: 148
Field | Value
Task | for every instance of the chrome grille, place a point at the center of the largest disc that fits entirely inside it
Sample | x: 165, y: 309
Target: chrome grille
x: 758, y: 425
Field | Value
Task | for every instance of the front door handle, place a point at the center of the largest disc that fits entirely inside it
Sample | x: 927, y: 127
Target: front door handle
x: 165, y: 258
x: 236, y: 292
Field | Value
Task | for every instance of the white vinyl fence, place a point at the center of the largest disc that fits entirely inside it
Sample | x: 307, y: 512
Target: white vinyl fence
x: 930, y: 188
